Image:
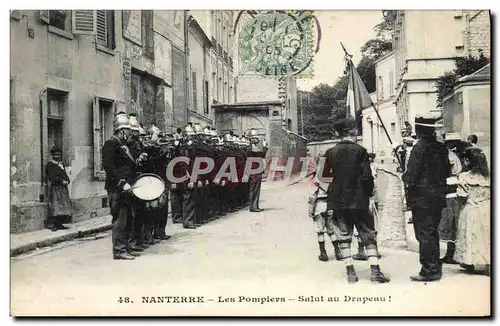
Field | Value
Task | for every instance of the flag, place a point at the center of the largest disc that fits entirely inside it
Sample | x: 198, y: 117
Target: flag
x: 358, y: 97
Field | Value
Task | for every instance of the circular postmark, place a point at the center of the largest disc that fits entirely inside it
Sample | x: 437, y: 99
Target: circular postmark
x: 275, y: 44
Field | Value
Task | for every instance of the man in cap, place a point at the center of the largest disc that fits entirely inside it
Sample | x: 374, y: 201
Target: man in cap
x: 425, y: 183
x: 257, y: 150
x: 121, y: 170
x: 348, y: 198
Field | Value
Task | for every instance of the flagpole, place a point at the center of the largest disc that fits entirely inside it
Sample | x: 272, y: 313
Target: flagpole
x: 388, y: 137
x: 376, y: 111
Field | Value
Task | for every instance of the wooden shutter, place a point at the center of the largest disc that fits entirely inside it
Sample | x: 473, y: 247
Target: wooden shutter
x: 102, y: 35
x: 98, y: 171
x: 206, y: 98
x: 194, y: 94
x: 84, y: 22
x: 45, y: 16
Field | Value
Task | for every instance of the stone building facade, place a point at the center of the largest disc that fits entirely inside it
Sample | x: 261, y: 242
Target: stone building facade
x: 374, y: 138
x: 71, y: 71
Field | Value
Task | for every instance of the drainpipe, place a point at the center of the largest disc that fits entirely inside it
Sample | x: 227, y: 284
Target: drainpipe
x: 42, y: 167
x: 186, y: 66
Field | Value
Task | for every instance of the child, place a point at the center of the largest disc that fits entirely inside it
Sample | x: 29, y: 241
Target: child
x: 473, y: 233
x: 322, y: 222
x: 322, y: 219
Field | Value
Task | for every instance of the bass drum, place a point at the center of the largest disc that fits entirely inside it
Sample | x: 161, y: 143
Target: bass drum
x: 149, y: 190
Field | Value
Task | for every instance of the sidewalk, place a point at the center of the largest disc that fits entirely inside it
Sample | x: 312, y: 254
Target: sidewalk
x: 25, y: 242
x: 28, y: 241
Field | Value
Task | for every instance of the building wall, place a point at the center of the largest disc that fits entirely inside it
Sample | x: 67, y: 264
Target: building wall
x: 478, y: 32
x: 197, y: 67
x: 421, y: 60
x: 434, y: 34
x: 385, y: 77
x: 374, y: 137
x: 44, y: 58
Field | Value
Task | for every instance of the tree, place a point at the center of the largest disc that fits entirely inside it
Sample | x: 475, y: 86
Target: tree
x: 463, y: 66
x: 326, y: 104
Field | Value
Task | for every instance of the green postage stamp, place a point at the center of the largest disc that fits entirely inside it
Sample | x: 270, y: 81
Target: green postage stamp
x: 278, y: 44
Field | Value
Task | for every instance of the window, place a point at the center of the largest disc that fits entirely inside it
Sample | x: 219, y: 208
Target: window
x: 219, y: 90
x: 393, y: 129
x: 148, y: 33
x: 391, y: 83
x: 214, y: 25
x: 194, y: 92
x: 206, y: 104
x: 231, y: 91
x: 106, y: 28
x: 60, y: 19
x: 103, y: 112
x: 225, y: 89
x: 380, y: 87
x: 57, y: 102
x: 214, y: 86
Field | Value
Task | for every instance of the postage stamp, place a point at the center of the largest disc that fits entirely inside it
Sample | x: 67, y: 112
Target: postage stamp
x: 277, y: 44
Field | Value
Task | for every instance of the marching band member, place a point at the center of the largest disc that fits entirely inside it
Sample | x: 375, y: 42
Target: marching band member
x: 163, y: 154
x: 189, y: 200
x: 121, y: 170
x: 176, y: 189
x: 136, y: 146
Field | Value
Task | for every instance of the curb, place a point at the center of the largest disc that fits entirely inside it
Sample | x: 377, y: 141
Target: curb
x: 55, y: 240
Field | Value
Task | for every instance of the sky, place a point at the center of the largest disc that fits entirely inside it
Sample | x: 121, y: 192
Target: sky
x: 353, y: 29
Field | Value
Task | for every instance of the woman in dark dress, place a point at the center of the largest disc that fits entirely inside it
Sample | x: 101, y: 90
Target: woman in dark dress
x: 59, y: 201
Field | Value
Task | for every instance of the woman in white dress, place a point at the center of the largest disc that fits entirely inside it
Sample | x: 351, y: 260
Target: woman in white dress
x: 473, y: 233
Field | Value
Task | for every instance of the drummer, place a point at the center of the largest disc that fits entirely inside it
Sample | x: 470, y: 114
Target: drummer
x: 121, y: 170
x: 136, y: 146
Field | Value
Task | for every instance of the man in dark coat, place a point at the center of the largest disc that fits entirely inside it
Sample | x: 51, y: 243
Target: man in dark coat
x: 259, y: 150
x: 425, y: 183
x: 349, y: 191
x: 121, y: 170
x: 176, y: 191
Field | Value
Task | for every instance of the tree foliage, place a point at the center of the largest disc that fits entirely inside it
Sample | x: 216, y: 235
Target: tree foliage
x: 463, y: 66
x: 325, y: 104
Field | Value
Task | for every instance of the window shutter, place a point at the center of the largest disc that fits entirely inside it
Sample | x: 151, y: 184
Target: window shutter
x: 45, y: 16
x: 98, y: 173
x: 84, y: 22
x: 102, y: 35
x: 195, y: 95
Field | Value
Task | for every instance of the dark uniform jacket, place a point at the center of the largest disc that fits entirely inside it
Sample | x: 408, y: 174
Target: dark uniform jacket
x: 426, y: 174
x: 119, y: 165
x: 352, y: 182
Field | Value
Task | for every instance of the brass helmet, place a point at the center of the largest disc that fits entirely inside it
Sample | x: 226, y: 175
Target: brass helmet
x: 142, y: 132
x: 198, y: 129
x: 207, y: 131
x: 121, y: 121
x: 189, y: 129
x: 154, y: 132
x: 228, y: 138
x: 134, y: 124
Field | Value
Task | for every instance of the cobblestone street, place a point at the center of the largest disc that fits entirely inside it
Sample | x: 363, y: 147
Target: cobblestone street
x: 273, y: 254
